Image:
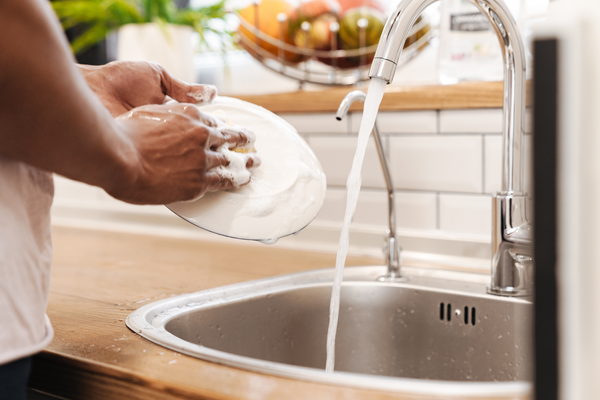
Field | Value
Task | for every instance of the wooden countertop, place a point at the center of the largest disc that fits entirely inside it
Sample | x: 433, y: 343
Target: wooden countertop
x: 99, y: 278
x: 404, y: 98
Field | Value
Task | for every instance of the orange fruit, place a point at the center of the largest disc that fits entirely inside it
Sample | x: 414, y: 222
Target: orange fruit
x: 268, y: 10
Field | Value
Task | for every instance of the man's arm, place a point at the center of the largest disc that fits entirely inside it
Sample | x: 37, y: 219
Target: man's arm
x: 50, y: 118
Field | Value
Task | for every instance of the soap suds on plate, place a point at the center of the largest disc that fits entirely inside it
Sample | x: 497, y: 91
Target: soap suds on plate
x: 204, y: 96
x: 283, y: 195
x: 237, y: 156
x: 236, y: 171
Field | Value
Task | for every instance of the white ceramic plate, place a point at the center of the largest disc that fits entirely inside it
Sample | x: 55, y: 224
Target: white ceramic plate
x: 285, y: 194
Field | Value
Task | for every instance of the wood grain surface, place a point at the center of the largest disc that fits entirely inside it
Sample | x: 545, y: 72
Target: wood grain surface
x: 99, y: 278
x: 438, y: 97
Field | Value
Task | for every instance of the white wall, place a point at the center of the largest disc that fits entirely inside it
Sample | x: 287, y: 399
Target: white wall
x: 445, y: 165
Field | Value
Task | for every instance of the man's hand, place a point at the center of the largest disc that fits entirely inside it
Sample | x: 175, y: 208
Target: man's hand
x: 174, y: 148
x: 53, y: 118
x: 125, y: 85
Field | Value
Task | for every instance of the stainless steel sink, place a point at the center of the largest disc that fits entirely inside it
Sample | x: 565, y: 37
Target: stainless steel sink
x: 439, y: 332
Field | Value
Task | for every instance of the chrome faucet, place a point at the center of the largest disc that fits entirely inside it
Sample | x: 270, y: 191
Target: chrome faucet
x: 391, y: 246
x: 512, y: 264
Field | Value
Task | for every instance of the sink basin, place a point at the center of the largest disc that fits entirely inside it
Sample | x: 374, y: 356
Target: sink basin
x: 439, y: 332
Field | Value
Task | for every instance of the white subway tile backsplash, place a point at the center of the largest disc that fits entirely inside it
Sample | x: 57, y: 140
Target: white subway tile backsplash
x: 446, y: 163
x: 317, y: 123
x: 440, y: 178
x: 471, y: 121
x: 416, y: 210
x: 413, y: 210
x: 372, y: 208
x: 401, y: 122
x: 493, y: 163
x: 336, y: 155
x: 334, y: 206
x: 466, y: 214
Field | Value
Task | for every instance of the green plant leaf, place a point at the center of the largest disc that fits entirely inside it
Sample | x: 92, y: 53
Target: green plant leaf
x: 89, y: 38
x: 104, y: 16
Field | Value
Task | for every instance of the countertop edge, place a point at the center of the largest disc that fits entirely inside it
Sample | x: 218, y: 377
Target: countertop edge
x: 467, y: 95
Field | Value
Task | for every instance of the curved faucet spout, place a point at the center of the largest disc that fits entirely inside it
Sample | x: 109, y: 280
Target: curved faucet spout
x: 510, y: 202
x: 392, y: 40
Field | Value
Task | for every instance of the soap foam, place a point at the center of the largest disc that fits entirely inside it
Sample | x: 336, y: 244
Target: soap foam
x: 284, y: 193
x: 236, y: 171
x: 206, y: 96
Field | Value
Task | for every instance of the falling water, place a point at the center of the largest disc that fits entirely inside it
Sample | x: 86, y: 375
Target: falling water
x: 374, y: 96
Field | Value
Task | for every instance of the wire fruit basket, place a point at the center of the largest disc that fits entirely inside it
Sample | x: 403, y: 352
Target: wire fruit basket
x: 326, y: 67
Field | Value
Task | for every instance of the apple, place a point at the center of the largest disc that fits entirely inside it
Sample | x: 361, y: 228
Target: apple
x: 319, y: 35
x: 318, y: 15
x: 350, y: 31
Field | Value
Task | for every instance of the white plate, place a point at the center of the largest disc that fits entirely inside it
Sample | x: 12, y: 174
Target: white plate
x: 285, y: 194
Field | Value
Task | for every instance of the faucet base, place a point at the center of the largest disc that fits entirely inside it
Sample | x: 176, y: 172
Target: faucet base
x: 512, y: 260
x: 392, y: 277
x: 509, y: 291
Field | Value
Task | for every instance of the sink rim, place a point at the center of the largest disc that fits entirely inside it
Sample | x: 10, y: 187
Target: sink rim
x: 150, y: 320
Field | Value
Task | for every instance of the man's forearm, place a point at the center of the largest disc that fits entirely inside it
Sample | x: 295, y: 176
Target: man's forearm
x: 49, y: 118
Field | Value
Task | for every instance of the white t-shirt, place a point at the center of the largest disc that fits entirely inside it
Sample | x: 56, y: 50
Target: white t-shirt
x: 25, y: 258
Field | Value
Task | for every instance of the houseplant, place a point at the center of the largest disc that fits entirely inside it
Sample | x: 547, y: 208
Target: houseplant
x: 149, y: 30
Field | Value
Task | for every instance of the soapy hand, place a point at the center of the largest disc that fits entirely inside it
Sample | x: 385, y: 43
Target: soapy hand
x: 175, y: 154
x: 125, y: 85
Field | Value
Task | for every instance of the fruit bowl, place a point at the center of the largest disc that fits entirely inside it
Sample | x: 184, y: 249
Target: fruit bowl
x: 320, y: 49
